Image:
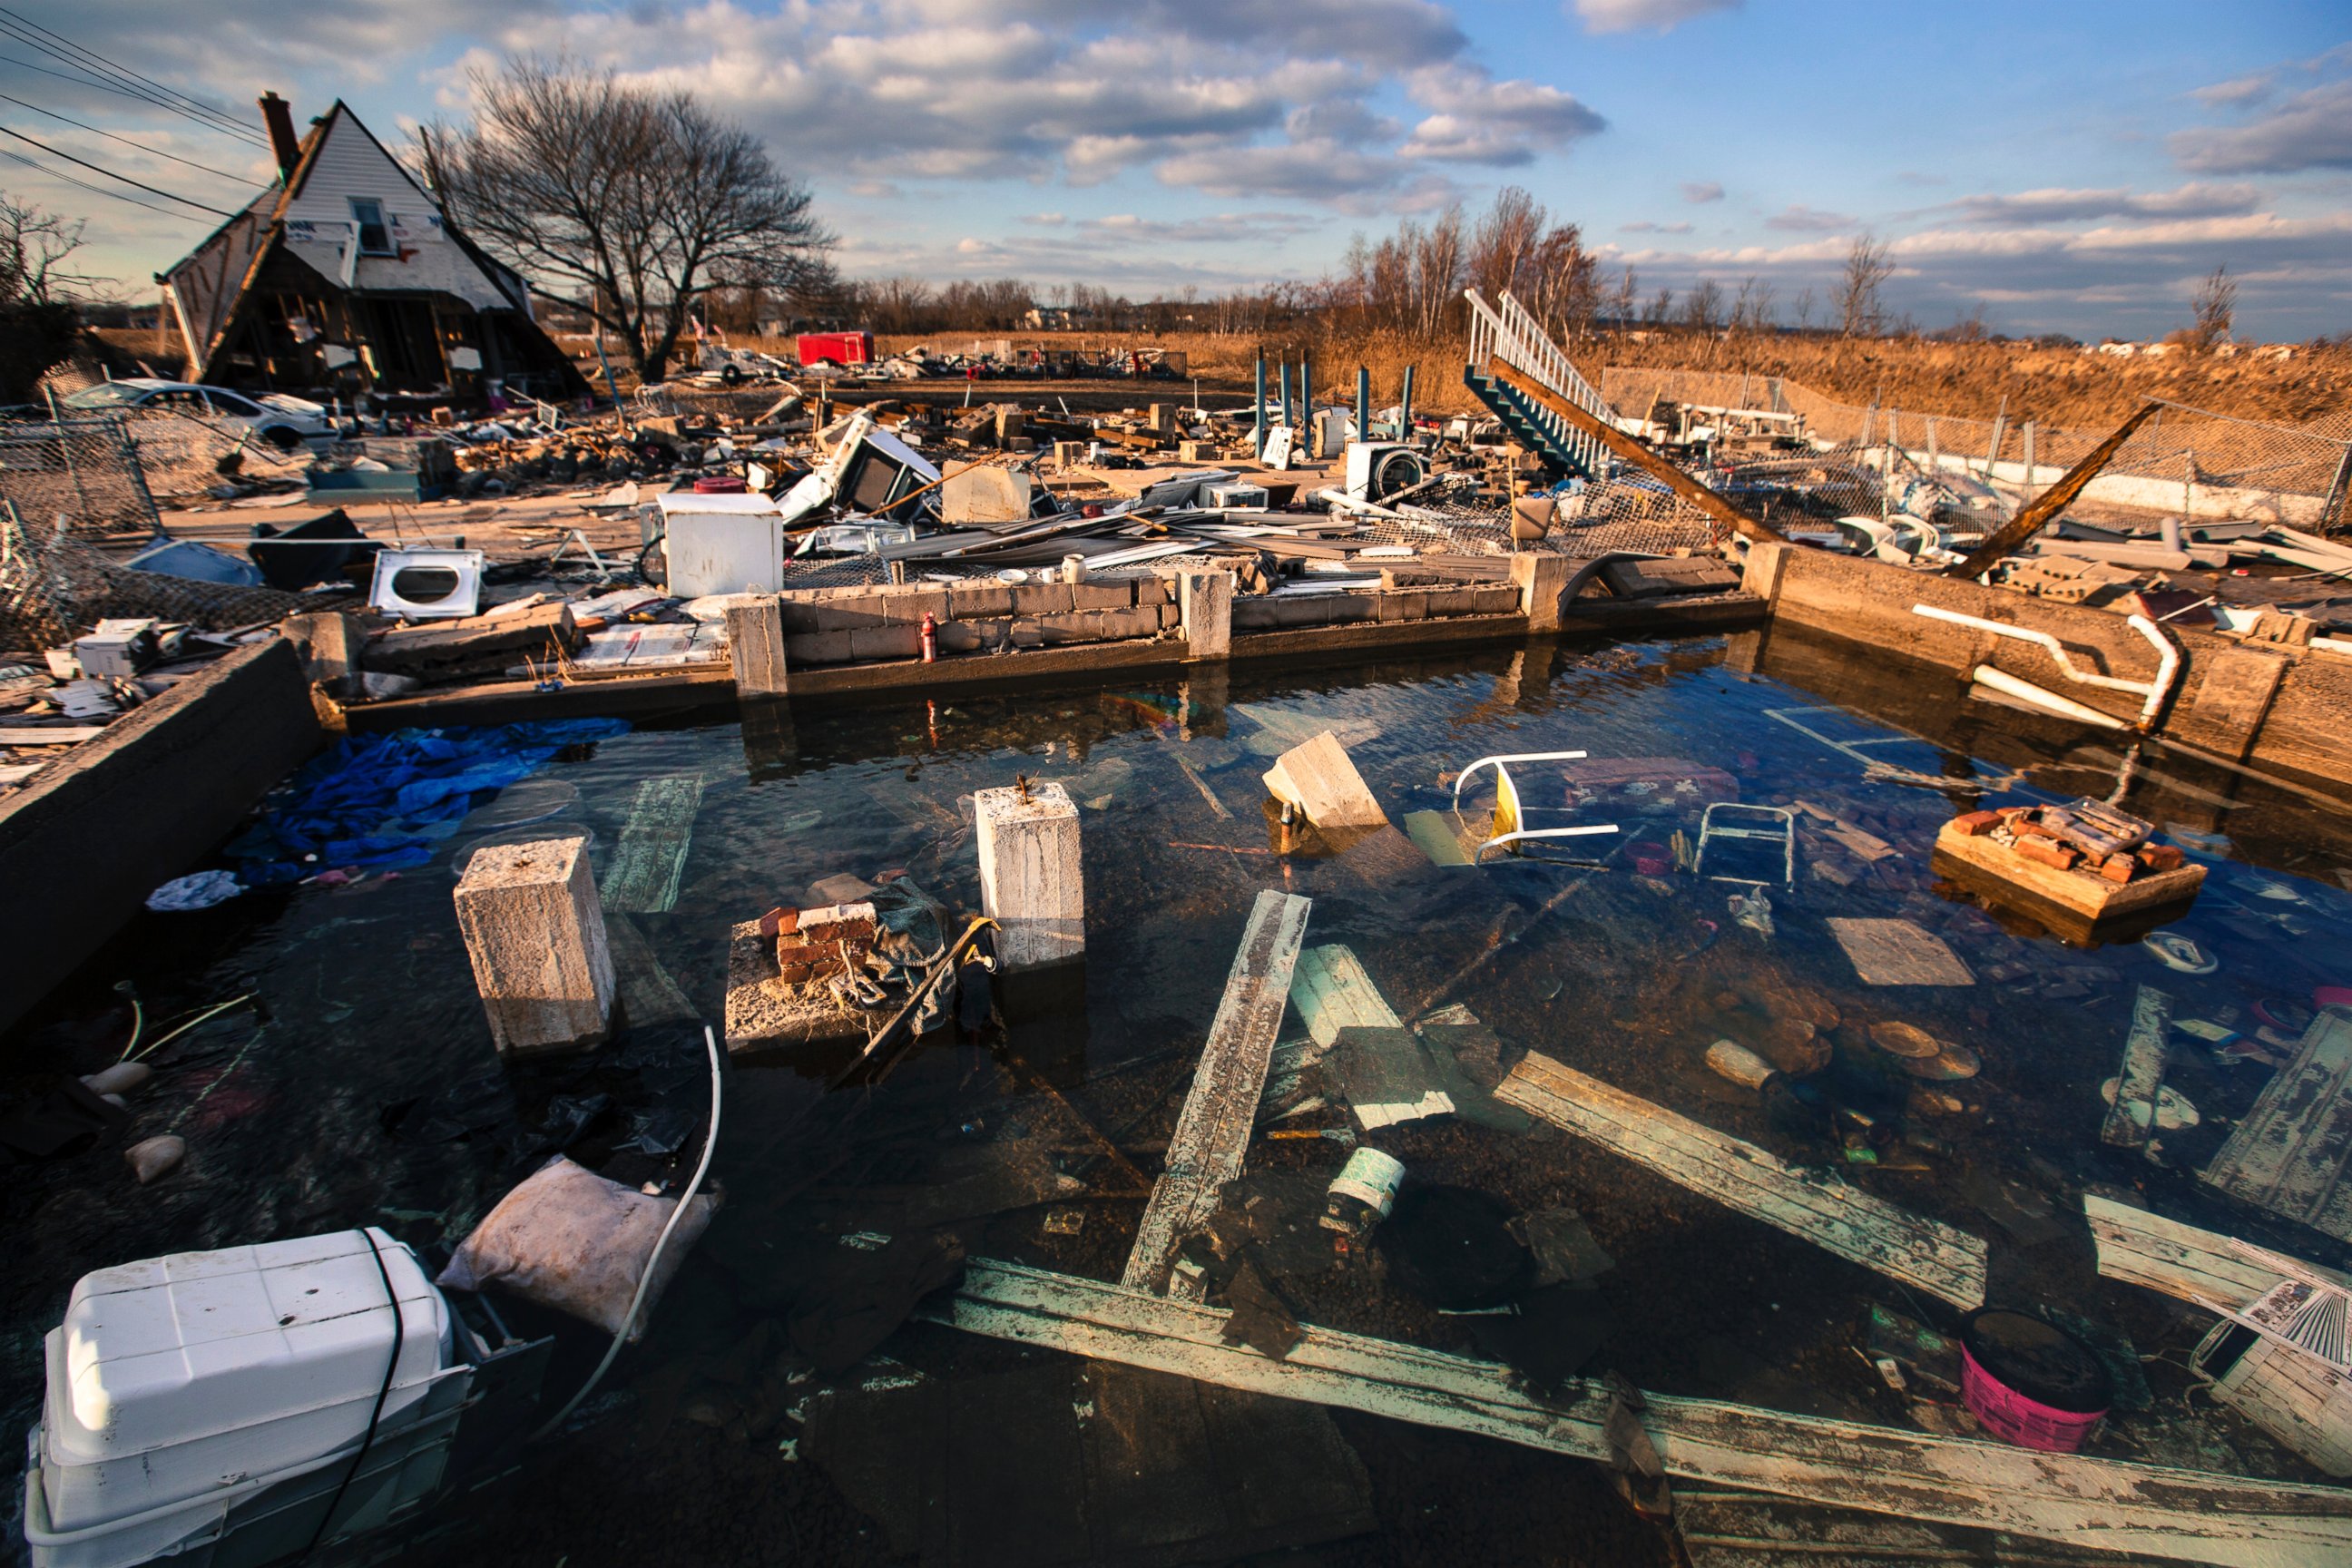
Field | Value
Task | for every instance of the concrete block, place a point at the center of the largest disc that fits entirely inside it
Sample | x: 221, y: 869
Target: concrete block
x: 1153, y: 591
x: 1027, y: 633
x: 799, y: 612
x: 1761, y: 573
x: 1500, y: 599
x: 1135, y: 621
x: 984, y: 495
x: 885, y: 642
x: 1404, y: 604
x: 1115, y: 594
x: 1171, y: 617
x: 330, y: 644
x: 1346, y: 609
x: 1254, y: 614
x: 1319, y: 779
x: 1041, y: 598
x: 978, y: 599
x: 1540, y: 580
x: 535, y: 932
x: 1032, y: 881
x: 817, y: 647
x: 961, y: 637
x: 1072, y: 627
x: 1303, y: 609
x: 1207, y: 600
x: 755, y: 647
x: 906, y: 606
x: 1452, y: 602
x: 862, y: 610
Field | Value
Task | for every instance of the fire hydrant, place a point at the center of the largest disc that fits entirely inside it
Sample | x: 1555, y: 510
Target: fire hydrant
x: 930, y: 638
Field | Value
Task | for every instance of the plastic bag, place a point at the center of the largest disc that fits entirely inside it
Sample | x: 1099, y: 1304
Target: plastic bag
x: 569, y: 1239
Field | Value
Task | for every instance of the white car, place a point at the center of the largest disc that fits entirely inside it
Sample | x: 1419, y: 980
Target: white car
x: 282, y: 421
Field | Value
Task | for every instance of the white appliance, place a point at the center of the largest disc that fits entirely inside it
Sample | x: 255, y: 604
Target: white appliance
x: 728, y: 543
x: 1378, y: 469
x: 1334, y: 428
x: 207, y: 1407
x: 1239, y: 494
x: 427, y: 584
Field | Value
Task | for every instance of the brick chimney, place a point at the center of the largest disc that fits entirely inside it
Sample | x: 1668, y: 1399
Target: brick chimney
x: 279, y: 116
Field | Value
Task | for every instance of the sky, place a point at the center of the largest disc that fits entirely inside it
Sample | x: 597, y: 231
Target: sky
x: 2070, y: 168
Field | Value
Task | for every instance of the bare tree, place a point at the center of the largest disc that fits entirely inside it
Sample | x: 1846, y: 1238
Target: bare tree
x: 1505, y: 242
x: 1659, y: 307
x: 1752, y: 311
x: 2216, y: 306
x: 1437, y: 271
x: 1703, y: 306
x: 33, y: 246
x: 1861, y: 290
x: 626, y: 203
x: 1805, y: 308
x: 1622, y: 302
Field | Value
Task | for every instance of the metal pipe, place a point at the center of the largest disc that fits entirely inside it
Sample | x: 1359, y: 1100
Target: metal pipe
x: 1405, y: 408
x: 2000, y: 680
x: 1306, y: 387
x: 1281, y: 373
x: 2167, y: 669
x: 1363, y: 404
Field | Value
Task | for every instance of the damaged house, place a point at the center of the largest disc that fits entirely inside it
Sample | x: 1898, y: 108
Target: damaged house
x: 347, y: 277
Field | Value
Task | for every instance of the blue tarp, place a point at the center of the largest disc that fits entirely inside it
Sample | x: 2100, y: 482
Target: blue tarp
x: 369, y: 800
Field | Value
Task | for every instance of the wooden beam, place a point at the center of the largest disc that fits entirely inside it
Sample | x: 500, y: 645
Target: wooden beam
x: 648, y: 862
x: 2035, y: 514
x: 2140, y: 1079
x: 2291, y: 1153
x: 1634, y: 452
x: 2180, y: 1515
x: 2180, y: 1260
x: 1213, y: 1130
x: 1838, y: 1218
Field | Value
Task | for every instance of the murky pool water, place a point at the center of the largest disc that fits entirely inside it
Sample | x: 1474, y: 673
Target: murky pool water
x: 363, y: 1088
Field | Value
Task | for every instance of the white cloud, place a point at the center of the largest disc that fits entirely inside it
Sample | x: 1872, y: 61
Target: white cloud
x: 1798, y: 218
x: 1644, y: 16
x: 1478, y: 120
x: 1699, y: 192
x: 2197, y: 199
x: 2239, y: 90
x: 2313, y: 129
x: 1646, y: 226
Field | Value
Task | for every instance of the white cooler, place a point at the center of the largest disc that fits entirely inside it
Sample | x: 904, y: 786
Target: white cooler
x: 207, y: 1405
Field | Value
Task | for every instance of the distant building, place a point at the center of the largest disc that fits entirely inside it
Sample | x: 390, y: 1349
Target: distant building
x: 347, y: 276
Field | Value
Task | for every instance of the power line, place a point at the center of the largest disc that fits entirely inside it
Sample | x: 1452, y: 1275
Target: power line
x: 110, y: 136
x: 110, y: 174
x: 124, y: 92
x: 100, y: 190
x: 106, y: 66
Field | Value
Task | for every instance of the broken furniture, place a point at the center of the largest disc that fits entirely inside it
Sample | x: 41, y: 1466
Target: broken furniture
x: 1741, y: 824
x: 1510, y: 813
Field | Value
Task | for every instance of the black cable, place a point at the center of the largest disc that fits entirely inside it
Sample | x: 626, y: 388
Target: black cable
x: 109, y: 87
x: 98, y: 65
x: 136, y: 185
x: 110, y: 136
x: 96, y: 190
x: 391, y: 1365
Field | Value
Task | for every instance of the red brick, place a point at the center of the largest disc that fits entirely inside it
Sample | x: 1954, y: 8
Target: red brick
x: 1977, y: 823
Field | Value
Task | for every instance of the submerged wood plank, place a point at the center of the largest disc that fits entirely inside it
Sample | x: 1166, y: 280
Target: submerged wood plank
x: 2174, y: 1514
x: 651, y: 855
x: 1898, y: 953
x: 2132, y: 1117
x: 1864, y: 1229
x: 1333, y: 993
x: 2290, y: 1152
x: 2180, y: 1260
x: 1214, y: 1129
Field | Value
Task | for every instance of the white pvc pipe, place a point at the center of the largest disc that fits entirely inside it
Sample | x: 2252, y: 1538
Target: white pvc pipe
x: 2167, y: 668
x: 2009, y: 685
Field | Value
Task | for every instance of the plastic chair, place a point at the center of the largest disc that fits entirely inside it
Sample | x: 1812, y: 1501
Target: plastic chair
x: 1510, y: 831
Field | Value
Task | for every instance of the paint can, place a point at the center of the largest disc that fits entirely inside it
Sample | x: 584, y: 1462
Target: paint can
x: 1363, y: 1193
x: 2029, y: 1381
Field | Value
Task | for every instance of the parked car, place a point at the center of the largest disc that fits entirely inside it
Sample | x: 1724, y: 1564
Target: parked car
x: 282, y: 421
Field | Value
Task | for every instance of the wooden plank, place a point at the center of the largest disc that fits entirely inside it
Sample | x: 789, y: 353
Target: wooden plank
x: 1213, y: 1130
x: 1898, y: 953
x: 1333, y: 993
x: 2142, y: 1072
x: 2290, y: 1152
x: 2177, y: 1515
x: 2084, y: 894
x: 648, y: 995
x: 50, y: 734
x: 1845, y: 1220
x: 2180, y: 1260
x: 651, y: 855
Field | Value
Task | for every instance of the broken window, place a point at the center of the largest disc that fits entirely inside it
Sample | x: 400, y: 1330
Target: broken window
x: 375, y: 235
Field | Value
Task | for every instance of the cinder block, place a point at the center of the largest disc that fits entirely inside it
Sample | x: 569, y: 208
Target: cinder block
x: 1499, y: 599
x: 1318, y: 778
x: 1153, y: 591
x: 1072, y: 627
x: 1041, y: 598
x: 1114, y: 594
x: 1303, y: 609
x: 1541, y: 579
x: 1345, y: 609
x: 755, y: 647
x: 1254, y: 614
x: 1135, y: 621
x: 959, y: 636
x: 1404, y: 604
x: 1171, y: 617
x: 862, y: 611
x: 1027, y: 633
x: 1032, y: 881
x: 535, y: 932
x: 978, y: 599
x: 1451, y: 601
x: 817, y: 647
x: 1209, y: 612
x: 907, y: 605
x: 885, y: 642
x: 799, y: 612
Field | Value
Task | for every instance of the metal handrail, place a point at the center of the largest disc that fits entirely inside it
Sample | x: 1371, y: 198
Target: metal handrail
x: 1514, y: 336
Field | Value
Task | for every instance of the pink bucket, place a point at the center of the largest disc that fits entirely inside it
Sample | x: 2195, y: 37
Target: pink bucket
x: 2048, y: 1362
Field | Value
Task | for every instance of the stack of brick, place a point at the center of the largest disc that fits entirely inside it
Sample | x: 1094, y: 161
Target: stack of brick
x: 2025, y: 832
x: 845, y: 625
x: 1269, y: 612
x: 812, y: 945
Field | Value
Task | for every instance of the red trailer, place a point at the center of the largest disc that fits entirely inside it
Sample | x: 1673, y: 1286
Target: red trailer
x: 841, y: 348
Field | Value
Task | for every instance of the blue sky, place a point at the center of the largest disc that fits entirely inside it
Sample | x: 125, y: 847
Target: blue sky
x: 2072, y: 168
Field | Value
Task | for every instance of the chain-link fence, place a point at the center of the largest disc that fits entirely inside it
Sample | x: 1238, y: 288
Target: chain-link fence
x: 84, y: 475
x: 2188, y: 461
x: 54, y: 586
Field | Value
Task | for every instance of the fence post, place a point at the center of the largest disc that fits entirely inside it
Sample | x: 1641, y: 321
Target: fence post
x: 2331, y: 510
x: 65, y: 449
x: 134, y: 471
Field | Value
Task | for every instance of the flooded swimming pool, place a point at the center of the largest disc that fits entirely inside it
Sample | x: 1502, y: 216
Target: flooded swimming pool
x: 361, y: 1086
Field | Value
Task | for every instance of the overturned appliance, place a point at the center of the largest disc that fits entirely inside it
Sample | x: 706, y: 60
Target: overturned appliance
x: 870, y: 471
x: 246, y: 1405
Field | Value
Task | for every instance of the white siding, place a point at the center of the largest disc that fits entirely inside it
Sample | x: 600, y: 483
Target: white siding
x: 318, y: 223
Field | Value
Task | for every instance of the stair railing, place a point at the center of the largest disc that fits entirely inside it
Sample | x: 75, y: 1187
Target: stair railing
x: 1512, y: 335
